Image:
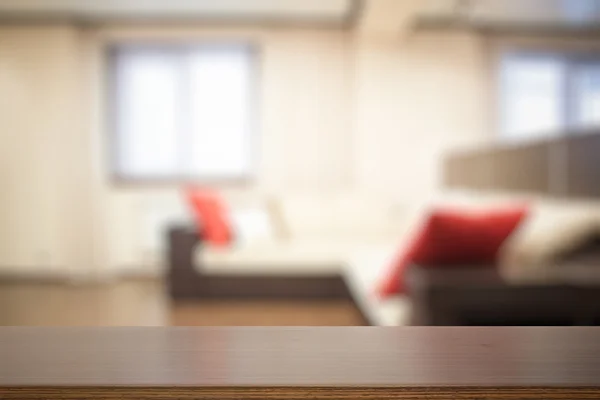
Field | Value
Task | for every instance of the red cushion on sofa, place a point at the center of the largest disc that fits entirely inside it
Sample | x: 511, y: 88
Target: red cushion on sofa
x: 451, y: 237
x: 211, y: 216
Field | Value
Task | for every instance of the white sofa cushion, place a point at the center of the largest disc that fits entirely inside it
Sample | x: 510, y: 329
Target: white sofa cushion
x: 252, y: 224
x: 296, y: 257
x: 341, y: 215
x: 272, y: 258
x: 363, y: 271
x: 287, y: 257
x: 553, y: 228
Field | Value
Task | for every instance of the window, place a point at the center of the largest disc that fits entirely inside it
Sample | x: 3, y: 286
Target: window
x: 587, y: 94
x: 581, y: 10
x: 548, y: 94
x: 183, y: 112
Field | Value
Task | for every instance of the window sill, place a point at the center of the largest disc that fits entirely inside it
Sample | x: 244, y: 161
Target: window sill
x: 125, y: 182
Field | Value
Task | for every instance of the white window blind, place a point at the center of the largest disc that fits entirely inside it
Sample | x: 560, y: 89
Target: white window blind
x: 581, y: 10
x: 587, y: 89
x: 548, y: 94
x: 184, y: 112
x: 532, y: 96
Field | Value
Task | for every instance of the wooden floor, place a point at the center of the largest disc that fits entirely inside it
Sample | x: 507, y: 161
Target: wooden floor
x: 144, y: 303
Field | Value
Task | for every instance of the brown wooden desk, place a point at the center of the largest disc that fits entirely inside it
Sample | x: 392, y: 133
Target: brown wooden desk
x: 299, y: 363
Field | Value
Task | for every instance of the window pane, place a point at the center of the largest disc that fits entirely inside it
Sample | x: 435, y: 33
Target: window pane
x: 532, y: 96
x: 148, y: 100
x: 581, y: 10
x: 220, y: 84
x: 587, y: 89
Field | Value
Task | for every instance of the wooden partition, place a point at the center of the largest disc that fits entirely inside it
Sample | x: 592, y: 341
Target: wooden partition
x: 522, y: 168
x: 470, y: 169
x: 299, y: 363
x: 568, y: 166
x: 582, y: 172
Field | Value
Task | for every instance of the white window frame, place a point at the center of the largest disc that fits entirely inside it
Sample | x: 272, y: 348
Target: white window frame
x: 184, y: 176
x: 571, y: 105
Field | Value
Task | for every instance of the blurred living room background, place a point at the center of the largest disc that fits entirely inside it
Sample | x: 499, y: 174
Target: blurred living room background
x: 320, y: 134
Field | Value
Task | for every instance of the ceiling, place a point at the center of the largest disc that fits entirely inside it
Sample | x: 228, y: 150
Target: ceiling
x: 371, y: 16
x: 532, y: 12
x: 332, y: 11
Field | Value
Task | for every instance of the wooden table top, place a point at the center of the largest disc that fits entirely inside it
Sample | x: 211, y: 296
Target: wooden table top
x: 319, y: 357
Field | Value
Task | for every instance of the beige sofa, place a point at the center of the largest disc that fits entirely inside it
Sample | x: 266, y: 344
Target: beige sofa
x: 345, y: 235
x: 355, y: 237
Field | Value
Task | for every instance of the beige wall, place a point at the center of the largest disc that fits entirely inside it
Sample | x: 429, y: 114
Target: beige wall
x: 416, y: 97
x: 338, y: 112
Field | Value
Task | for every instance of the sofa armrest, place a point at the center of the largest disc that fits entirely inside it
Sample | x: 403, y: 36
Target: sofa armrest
x: 182, y: 276
x: 479, y: 296
x: 440, y: 294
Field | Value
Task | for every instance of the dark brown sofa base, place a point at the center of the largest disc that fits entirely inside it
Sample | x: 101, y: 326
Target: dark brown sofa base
x: 261, y: 287
x: 186, y: 280
x: 479, y: 296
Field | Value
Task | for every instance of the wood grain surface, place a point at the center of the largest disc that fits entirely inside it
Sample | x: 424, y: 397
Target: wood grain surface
x: 294, y: 363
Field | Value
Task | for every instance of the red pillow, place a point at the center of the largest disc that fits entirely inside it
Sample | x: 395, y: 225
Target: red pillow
x: 211, y: 217
x: 450, y: 237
